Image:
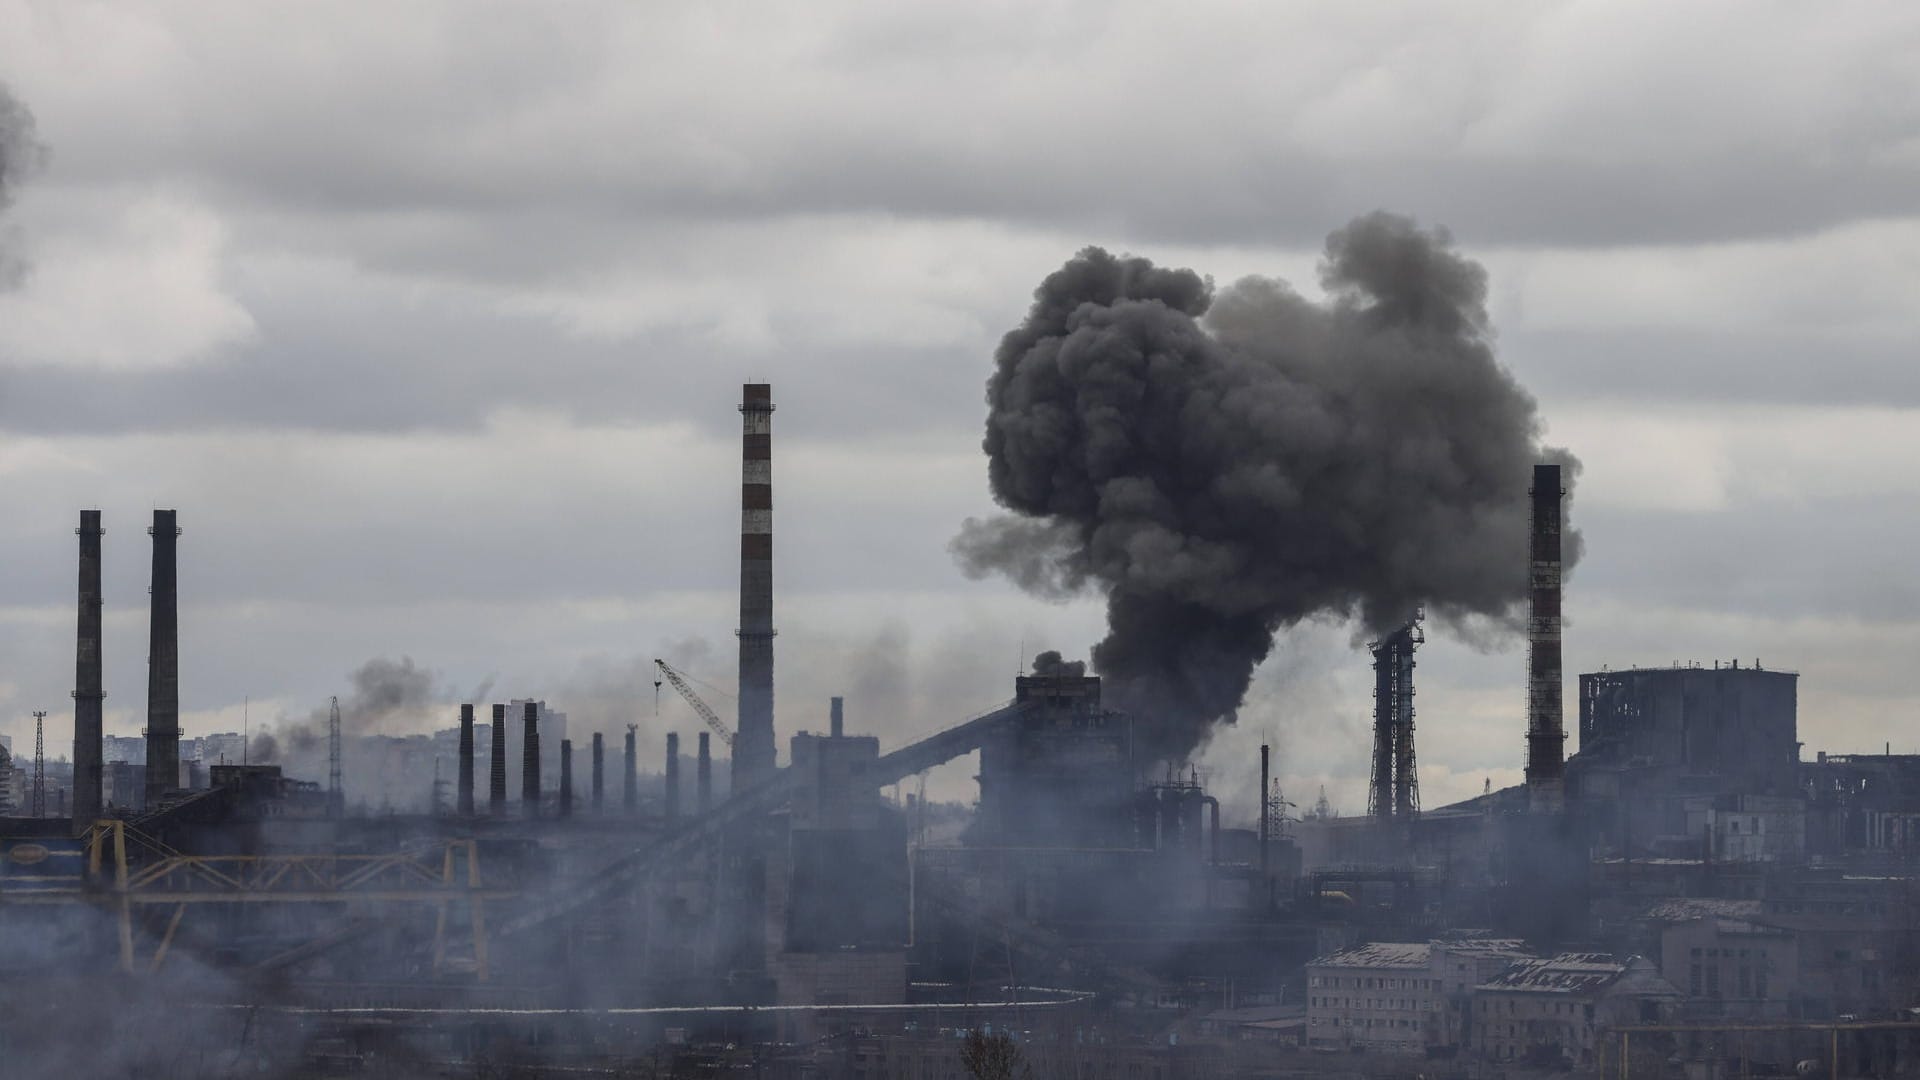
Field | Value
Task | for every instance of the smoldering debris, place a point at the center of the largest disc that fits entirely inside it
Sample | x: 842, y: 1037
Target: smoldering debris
x: 1222, y: 465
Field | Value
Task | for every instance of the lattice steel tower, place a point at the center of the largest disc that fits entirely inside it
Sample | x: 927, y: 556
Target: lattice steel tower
x: 1395, y: 790
x: 39, y: 765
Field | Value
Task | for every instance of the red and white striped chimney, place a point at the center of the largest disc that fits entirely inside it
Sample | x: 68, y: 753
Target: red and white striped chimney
x: 753, y: 746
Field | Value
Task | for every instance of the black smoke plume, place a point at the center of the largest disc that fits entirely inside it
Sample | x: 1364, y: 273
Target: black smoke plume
x: 1222, y: 467
x: 388, y: 697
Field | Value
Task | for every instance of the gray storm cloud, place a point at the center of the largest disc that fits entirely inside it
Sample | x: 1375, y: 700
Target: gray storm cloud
x: 1224, y: 466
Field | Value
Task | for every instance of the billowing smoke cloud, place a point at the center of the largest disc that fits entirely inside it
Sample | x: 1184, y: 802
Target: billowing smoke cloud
x: 1224, y: 467
x: 387, y: 697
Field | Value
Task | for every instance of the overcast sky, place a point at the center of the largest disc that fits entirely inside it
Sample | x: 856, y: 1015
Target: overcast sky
x: 431, y: 318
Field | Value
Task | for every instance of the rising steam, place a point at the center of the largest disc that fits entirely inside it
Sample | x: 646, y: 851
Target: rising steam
x: 1223, y: 467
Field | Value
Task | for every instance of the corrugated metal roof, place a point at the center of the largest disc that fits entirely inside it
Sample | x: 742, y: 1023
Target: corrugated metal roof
x: 1402, y: 954
x: 1696, y: 907
x: 1568, y: 973
x: 1486, y: 947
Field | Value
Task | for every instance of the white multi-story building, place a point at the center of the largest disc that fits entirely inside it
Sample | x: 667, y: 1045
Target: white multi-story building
x: 1403, y: 998
x: 1382, y: 997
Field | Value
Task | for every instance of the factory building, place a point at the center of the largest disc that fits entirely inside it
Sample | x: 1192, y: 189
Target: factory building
x: 1551, y: 1012
x: 1684, y: 864
x: 1402, y: 998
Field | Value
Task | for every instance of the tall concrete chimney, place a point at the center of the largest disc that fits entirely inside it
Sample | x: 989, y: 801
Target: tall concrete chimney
x: 465, y: 790
x: 530, y: 763
x: 703, y: 774
x: 1546, y: 731
x: 87, y: 688
x: 673, y: 775
x: 163, y: 662
x: 630, y: 793
x: 599, y: 770
x: 497, y: 776
x: 1266, y: 785
x: 837, y: 717
x: 566, y: 778
x: 753, y: 746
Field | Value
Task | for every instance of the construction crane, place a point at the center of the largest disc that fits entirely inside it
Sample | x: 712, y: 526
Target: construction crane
x: 680, y: 683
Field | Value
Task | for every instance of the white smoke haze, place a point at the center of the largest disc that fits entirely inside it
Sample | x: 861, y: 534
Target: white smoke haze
x: 1223, y: 465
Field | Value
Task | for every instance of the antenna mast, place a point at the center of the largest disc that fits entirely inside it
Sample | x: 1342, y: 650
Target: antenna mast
x: 39, y: 765
x: 335, y: 798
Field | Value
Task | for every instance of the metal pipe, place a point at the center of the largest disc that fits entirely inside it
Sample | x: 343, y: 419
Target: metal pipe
x: 497, y: 768
x: 465, y: 788
x: 1213, y: 850
x: 163, y: 662
x: 88, y: 751
x: 530, y: 763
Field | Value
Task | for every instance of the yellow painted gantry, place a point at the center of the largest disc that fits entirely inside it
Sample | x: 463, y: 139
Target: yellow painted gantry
x: 127, y: 869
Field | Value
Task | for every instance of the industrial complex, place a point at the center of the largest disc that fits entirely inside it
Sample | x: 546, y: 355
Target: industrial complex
x: 1692, y: 891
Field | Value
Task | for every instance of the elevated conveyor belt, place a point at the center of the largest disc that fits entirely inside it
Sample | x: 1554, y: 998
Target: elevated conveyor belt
x: 763, y: 798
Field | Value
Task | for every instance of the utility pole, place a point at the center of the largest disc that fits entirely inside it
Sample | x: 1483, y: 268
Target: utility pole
x: 336, y: 797
x: 39, y: 764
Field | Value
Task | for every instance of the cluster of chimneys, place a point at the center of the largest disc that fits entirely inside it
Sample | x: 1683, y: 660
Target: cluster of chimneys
x: 163, y: 671
x: 530, y: 794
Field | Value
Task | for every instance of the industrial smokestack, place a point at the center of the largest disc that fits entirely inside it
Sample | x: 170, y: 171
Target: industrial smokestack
x: 599, y: 771
x: 465, y: 790
x: 1380, y: 786
x: 630, y: 793
x: 566, y: 778
x: 673, y: 775
x: 837, y: 717
x: 497, y: 777
x: 530, y: 763
x: 163, y: 662
x: 1266, y: 783
x: 1546, y: 732
x: 703, y: 775
x: 753, y: 746
x: 87, y: 691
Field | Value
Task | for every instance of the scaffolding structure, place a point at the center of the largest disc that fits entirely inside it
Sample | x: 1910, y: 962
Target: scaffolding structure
x: 1395, y: 787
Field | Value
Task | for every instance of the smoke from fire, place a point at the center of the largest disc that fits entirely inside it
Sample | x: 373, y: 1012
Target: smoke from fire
x: 1223, y: 466
x: 20, y: 152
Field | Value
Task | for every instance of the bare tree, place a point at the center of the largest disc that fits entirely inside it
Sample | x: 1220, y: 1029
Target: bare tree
x: 993, y: 1057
